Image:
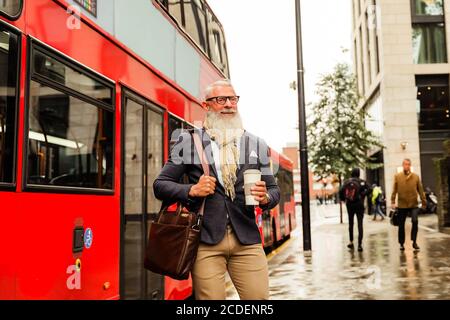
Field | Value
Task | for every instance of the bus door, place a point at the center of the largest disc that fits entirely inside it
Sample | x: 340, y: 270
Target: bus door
x: 142, y: 162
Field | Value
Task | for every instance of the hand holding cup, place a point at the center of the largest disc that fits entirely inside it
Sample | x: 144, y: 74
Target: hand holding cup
x: 259, y: 192
x: 255, y: 189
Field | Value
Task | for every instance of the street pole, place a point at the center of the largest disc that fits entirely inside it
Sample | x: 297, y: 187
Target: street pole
x: 304, y: 177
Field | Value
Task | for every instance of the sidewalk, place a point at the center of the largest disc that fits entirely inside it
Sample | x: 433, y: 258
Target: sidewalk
x: 382, y: 271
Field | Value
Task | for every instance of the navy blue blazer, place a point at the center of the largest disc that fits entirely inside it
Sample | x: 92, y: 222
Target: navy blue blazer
x: 184, y: 160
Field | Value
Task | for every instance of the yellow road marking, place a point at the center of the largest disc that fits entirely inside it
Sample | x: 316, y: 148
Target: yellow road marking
x: 278, y: 250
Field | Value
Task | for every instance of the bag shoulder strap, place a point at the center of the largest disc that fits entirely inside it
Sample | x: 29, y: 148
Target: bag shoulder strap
x: 204, y: 161
x: 201, y: 153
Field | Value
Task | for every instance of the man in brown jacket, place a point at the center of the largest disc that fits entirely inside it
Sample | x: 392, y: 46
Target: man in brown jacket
x: 408, y: 187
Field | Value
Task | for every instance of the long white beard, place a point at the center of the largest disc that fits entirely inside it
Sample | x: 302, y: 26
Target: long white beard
x: 224, y: 129
x: 226, y: 132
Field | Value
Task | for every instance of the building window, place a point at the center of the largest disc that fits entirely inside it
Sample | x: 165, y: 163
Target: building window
x: 11, y: 8
x: 377, y: 52
x: 356, y: 60
x: 355, y: 12
x: 429, y: 44
x: 376, y: 28
x: 361, y: 64
x: 70, y: 126
x: 361, y: 5
x: 8, y: 103
x: 368, y: 50
x: 433, y: 102
x: 429, y: 7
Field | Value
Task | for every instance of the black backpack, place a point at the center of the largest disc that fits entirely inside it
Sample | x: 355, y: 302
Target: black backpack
x: 352, y: 191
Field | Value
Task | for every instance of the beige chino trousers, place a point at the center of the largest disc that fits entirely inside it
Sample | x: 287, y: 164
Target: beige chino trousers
x: 246, y: 265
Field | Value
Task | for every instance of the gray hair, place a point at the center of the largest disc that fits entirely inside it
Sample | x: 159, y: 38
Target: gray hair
x: 218, y: 83
x: 407, y: 160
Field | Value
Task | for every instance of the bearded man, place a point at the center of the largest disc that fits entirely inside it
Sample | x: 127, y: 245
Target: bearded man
x: 230, y: 238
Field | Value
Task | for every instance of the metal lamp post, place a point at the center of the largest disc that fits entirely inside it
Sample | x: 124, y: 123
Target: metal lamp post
x: 304, y: 178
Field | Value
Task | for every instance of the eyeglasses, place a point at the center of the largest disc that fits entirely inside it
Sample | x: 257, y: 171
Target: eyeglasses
x: 223, y: 100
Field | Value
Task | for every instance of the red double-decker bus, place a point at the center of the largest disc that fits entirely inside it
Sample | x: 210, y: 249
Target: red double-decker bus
x: 88, y: 101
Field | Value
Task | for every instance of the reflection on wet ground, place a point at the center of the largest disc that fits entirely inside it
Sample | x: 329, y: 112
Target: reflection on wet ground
x: 381, y: 271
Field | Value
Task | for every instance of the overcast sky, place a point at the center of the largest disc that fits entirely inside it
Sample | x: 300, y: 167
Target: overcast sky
x: 262, y: 53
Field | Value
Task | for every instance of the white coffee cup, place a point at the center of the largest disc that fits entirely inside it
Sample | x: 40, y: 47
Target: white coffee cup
x: 251, y: 176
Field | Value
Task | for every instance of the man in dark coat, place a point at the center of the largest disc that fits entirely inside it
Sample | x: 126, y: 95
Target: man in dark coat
x: 230, y: 238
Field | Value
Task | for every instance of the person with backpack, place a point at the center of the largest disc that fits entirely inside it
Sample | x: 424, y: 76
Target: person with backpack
x: 353, y: 192
x: 377, y: 199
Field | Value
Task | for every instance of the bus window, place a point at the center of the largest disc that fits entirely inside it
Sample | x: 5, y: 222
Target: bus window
x: 195, y: 21
x: 218, y: 49
x: 175, y: 126
x: 155, y: 150
x: 69, y: 141
x: 200, y: 23
x: 61, y: 73
x: 8, y: 102
x: 11, y: 8
x: 285, y: 183
x: 70, y: 134
x: 175, y: 8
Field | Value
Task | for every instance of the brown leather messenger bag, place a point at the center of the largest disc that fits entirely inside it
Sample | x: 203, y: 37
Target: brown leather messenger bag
x: 175, y: 236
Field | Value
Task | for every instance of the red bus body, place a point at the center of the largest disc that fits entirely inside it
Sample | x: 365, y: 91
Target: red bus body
x: 37, y: 259
x: 277, y: 224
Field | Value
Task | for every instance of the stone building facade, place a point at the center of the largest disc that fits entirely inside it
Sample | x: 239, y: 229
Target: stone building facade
x: 400, y: 51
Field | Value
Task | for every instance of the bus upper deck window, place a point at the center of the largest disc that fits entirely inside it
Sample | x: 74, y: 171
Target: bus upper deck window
x: 11, y: 8
x: 195, y: 22
x: 8, y: 101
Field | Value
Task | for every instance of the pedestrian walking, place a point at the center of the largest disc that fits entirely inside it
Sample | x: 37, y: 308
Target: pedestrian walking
x: 354, y: 192
x: 230, y: 238
x: 377, y: 200
x: 407, y: 188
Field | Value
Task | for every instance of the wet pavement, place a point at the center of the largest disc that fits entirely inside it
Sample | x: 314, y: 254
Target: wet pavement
x: 381, y: 271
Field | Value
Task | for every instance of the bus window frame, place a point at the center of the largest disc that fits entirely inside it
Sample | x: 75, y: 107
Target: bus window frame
x: 225, y: 69
x: 11, y: 186
x: 212, y: 19
x: 17, y: 16
x: 32, y: 45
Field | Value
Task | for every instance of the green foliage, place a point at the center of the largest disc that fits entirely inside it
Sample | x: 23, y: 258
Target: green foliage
x: 338, y: 137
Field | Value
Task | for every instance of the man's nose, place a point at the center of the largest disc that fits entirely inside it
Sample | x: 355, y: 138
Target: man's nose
x: 228, y: 104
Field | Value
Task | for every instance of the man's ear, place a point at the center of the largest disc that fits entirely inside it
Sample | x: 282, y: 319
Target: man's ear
x: 205, y: 105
